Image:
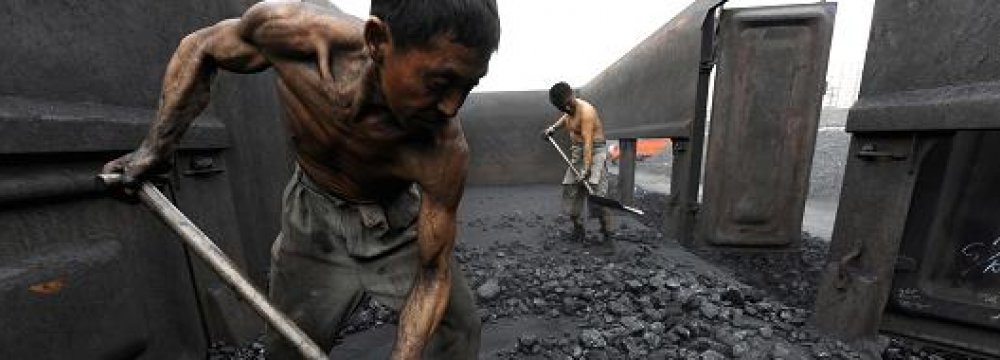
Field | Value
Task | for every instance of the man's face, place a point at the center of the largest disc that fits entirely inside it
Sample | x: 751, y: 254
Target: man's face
x: 565, y: 104
x: 427, y: 84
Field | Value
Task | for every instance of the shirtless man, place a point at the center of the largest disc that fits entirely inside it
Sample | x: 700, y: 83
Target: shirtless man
x: 370, y: 106
x: 589, y: 153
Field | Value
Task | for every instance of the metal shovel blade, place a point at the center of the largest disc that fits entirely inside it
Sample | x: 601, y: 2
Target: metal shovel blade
x: 612, y: 203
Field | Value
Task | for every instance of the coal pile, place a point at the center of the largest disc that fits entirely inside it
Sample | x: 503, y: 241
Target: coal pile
x: 642, y: 303
x: 223, y: 351
x: 791, y: 276
x: 651, y: 300
x: 637, y: 305
x: 899, y: 349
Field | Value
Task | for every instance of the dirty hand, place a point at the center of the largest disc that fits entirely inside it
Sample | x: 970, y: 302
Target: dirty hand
x: 547, y: 133
x: 135, y: 166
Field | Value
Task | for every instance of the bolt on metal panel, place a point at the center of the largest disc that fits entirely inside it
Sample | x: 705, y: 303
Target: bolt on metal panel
x: 651, y: 91
x: 765, y: 114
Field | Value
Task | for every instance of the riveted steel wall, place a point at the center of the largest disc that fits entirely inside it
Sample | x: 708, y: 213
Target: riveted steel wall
x: 768, y: 95
x: 914, y: 240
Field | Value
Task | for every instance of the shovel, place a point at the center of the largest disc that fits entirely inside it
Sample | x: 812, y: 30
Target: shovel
x: 599, y: 200
x: 222, y: 265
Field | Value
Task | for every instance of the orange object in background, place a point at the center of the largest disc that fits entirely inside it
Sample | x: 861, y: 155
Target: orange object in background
x: 644, y: 148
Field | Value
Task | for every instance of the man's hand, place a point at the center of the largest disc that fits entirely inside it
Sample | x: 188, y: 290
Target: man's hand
x: 135, y: 166
x: 547, y: 133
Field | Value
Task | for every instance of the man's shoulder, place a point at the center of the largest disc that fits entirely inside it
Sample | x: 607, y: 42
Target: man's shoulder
x: 587, y: 106
x: 285, y: 9
x: 325, y: 20
x: 584, y: 103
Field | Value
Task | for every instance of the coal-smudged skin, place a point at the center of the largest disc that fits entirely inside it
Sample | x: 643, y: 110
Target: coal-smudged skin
x: 344, y: 139
x: 584, y: 126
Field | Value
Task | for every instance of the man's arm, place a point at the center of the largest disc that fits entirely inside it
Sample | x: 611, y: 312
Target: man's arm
x: 551, y: 129
x: 587, y: 124
x: 186, y: 88
x: 292, y: 30
x: 442, y: 183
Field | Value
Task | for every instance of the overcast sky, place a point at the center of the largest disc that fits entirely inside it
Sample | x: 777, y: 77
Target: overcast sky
x: 545, y: 41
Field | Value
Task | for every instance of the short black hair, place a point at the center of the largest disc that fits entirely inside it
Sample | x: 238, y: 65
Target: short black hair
x: 559, y: 92
x: 474, y: 23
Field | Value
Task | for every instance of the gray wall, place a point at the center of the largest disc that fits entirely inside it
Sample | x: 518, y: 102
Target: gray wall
x: 115, y: 53
x: 104, y: 51
x: 504, y: 134
x: 958, y: 64
x: 651, y: 91
x: 79, y: 82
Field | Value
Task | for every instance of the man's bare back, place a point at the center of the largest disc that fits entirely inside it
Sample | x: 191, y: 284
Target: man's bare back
x: 367, y: 117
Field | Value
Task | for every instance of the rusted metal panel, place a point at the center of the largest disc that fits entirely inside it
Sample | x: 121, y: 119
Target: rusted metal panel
x: 768, y: 96
x: 685, y: 178
x: 87, y: 276
x: 68, y: 51
x: 78, y: 91
x: 651, y: 91
x: 870, y: 220
x: 66, y: 57
x: 949, y: 259
x: 258, y: 162
x: 85, y: 282
x: 36, y: 127
x: 201, y: 190
x: 931, y: 65
x: 626, y: 171
x: 912, y: 245
x: 931, y: 278
x: 139, y: 296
